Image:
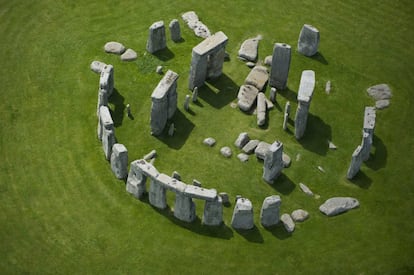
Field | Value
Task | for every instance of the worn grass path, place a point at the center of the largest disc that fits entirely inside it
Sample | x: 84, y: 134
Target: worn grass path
x: 62, y: 211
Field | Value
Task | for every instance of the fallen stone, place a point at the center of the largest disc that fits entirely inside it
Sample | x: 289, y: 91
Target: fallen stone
x: 286, y: 160
x: 158, y: 70
x: 250, y: 146
x: 243, y: 157
x: 242, y: 215
x: 337, y: 205
x: 331, y: 145
x: 195, y: 24
x: 209, y: 141
x: 114, y: 47
x: 288, y: 223
x: 250, y: 64
x: 269, y: 213
x: 150, y: 155
x: 247, y: 96
x: 248, y: 49
x: 201, y: 30
x: 308, y: 42
x: 305, y: 189
x: 299, y: 215
x: 97, y: 66
x: 380, y: 92
x: 268, y: 60
x: 269, y: 104
x: 257, y: 77
x: 261, y: 150
x: 242, y: 140
x: 382, y: 104
x: 129, y: 55
x: 226, y: 151
x: 261, y: 109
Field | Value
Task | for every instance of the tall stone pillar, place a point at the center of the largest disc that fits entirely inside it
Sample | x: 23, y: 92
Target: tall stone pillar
x: 175, y: 30
x: 157, y: 194
x: 273, y: 162
x: 137, y: 177
x: 102, y: 100
x: 269, y: 214
x: 213, y: 212
x: 242, y: 214
x: 106, y: 80
x: 306, y: 87
x: 368, y: 132
x: 184, y: 208
x: 119, y: 161
x: 308, y: 41
x: 280, y: 66
x: 156, y: 37
x: 198, y: 70
x: 356, y: 162
x: 215, y: 63
x: 106, y: 131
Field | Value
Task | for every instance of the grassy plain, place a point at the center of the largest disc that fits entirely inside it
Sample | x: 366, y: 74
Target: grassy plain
x: 61, y: 209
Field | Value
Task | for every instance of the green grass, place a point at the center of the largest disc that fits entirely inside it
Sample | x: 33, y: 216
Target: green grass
x: 62, y: 210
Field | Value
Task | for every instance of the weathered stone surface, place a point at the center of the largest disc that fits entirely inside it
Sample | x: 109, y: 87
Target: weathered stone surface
x: 369, y: 120
x: 242, y: 214
x: 299, y: 215
x: 366, y: 145
x: 286, y: 160
x: 243, y: 157
x: 285, y: 121
x: 337, y: 205
x: 195, y: 24
x: 129, y: 55
x: 150, y: 155
x: 226, y: 151
x: 187, y: 102
x: 305, y: 189
x: 382, y: 104
x: 269, y: 104
x: 380, y: 92
x: 156, y: 37
x: 175, y: 30
x: 102, y: 100
x: 280, y: 66
x: 273, y: 163
x: 246, y: 97
x: 171, y: 184
x: 242, y: 140
x: 209, y: 141
x: 213, y: 212
x: 248, y: 49
x: 200, y: 193
x: 224, y: 198
x: 306, y: 87
x: 106, y: 79
x: 250, y: 146
x: 272, y: 95
x: 261, y: 109
x: 269, y: 213
x: 287, y: 108
x: 268, y: 60
x: 114, y: 47
x: 184, y: 208
x: 157, y: 194
x: 261, y: 150
x: 308, y: 41
x: 97, y: 66
x: 288, y: 223
x: 356, y: 162
x: 119, y: 161
x: 137, y: 177
x: 104, y: 121
x: 257, y: 77
x: 201, y: 30
x: 328, y: 87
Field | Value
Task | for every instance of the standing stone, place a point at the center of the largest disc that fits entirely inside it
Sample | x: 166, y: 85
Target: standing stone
x: 242, y: 214
x: 248, y: 49
x: 175, y: 30
x: 338, y: 205
x: 328, y: 87
x: 269, y: 214
x: 246, y: 97
x: 137, y: 177
x: 272, y: 95
x: 106, y: 131
x: 280, y: 66
x: 288, y: 223
x: 195, y: 94
x: 119, y: 161
x: 308, y: 41
x: 285, y: 121
x: 368, y: 132
x: 306, y: 87
x: 157, y: 194
x: 128, y: 110
x: 356, y: 162
x: 213, y: 212
x: 242, y: 140
x: 171, y: 130
x: 184, y: 208
x: 156, y: 37
x: 187, y: 103
x: 261, y: 109
x: 106, y: 80
x: 287, y: 108
x: 273, y: 162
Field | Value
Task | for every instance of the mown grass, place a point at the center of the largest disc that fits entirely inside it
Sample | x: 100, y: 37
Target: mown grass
x: 62, y: 211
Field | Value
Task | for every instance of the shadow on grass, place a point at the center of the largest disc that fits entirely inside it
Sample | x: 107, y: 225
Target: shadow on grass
x: 279, y: 231
x: 288, y: 94
x: 183, y: 128
x: 218, y: 92
x: 252, y: 235
x: 378, y: 159
x: 117, y: 100
x: 283, y: 184
x: 362, y: 180
x: 164, y: 54
x: 319, y: 57
x: 316, y: 135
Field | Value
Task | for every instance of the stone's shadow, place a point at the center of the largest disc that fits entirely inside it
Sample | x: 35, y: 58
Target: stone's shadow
x: 362, y: 180
x: 218, y: 92
x: 378, y: 159
x: 182, y: 40
x: 117, y: 100
x: 319, y: 57
x: 183, y: 128
x: 278, y: 107
x: 288, y: 94
x: 283, y: 184
x: 252, y: 235
x: 279, y: 231
x: 316, y: 135
x: 164, y: 54
x: 131, y: 116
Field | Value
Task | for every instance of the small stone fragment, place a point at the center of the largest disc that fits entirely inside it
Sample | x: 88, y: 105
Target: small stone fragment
x: 226, y: 151
x: 97, y: 66
x: 320, y: 168
x: 272, y: 95
x: 119, y: 161
x: 305, y: 189
x: 268, y: 60
x: 158, y: 70
x: 337, y: 205
x: 382, y: 104
x: 209, y: 141
x: 129, y: 55
x: 328, y: 87
x: 299, y: 215
x: 250, y: 64
x: 150, y: 155
x: 243, y: 157
x: 196, y: 183
x: 331, y: 145
x: 114, y: 47
x: 225, y: 198
x: 250, y: 146
x: 288, y: 223
x: 176, y: 175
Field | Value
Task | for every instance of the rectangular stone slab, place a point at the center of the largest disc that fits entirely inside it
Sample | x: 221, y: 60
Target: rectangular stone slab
x: 257, y: 77
x: 147, y: 168
x: 306, y: 86
x: 200, y: 193
x: 369, y: 118
x: 210, y: 43
x: 164, y: 85
x: 171, y: 183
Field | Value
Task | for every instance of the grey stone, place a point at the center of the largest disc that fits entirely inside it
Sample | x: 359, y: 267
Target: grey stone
x: 200, y: 193
x: 338, y: 205
x: 195, y: 94
x: 175, y: 30
x: 269, y: 104
x: 257, y: 77
x: 273, y: 162
x: 280, y: 66
x: 157, y: 194
x: 242, y: 140
x: 201, y: 30
x: 306, y: 87
x: 250, y: 64
x: 187, y: 102
x: 366, y: 145
x: 237, y: 198
x: 242, y: 214
x: 268, y: 60
x: 196, y: 183
x: 369, y: 120
x: 128, y: 110
x: 299, y: 215
x: 171, y: 184
x: 331, y: 145
x: 248, y: 49
x: 114, y: 47
x: 305, y: 189
x: 285, y: 121
x: 102, y: 100
x: 129, y: 55
x: 224, y: 198
x: 328, y: 87
x: 195, y: 24
x: 288, y: 223
x: 272, y: 95
x: 356, y: 162
x: 250, y: 146
x: 137, y: 177
x: 380, y: 92
x: 269, y: 213
x: 320, y: 168
x: 119, y: 161
x: 308, y: 41
x: 247, y: 97
x: 261, y: 150
x: 156, y: 37
x: 243, y: 157
x: 106, y: 79
x: 226, y: 151
x: 97, y: 66
x: 106, y: 131
x: 261, y: 109
x: 158, y: 70
x: 209, y: 141
x: 176, y: 175
x: 286, y: 160
x: 171, y: 130
x: 184, y: 208
x: 382, y: 104
x: 150, y: 155
x: 287, y: 108
x: 213, y: 212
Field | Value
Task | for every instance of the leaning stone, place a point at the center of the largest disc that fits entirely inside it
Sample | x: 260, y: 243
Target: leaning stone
x: 380, y: 91
x: 308, y: 42
x: 196, y: 183
x: 261, y: 109
x: 257, y: 77
x: 242, y: 140
x: 97, y: 66
x: 248, y: 49
x: 156, y: 37
x: 268, y: 60
x: 158, y: 70
x: 280, y: 66
x: 356, y: 162
x: 150, y: 155
x: 243, y: 157
x: 299, y: 215
x: 119, y: 161
x: 250, y: 146
x: 246, y: 97
x: 288, y: 223
x: 261, y: 150
x: 269, y: 214
x: 226, y: 151
x: 175, y: 30
x: 305, y: 189
x: 114, y: 47
x: 225, y: 198
x: 286, y: 160
x: 129, y: 55
x: 337, y: 205
x: 176, y: 175
x: 209, y: 141
x: 243, y: 214
x: 382, y: 104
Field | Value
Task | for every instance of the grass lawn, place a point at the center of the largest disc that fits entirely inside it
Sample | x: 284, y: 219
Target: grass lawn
x: 63, y: 211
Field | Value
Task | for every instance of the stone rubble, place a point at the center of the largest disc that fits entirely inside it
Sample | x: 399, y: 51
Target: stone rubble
x: 195, y: 24
x: 248, y: 49
x: 242, y: 140
x: 328, y: 87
